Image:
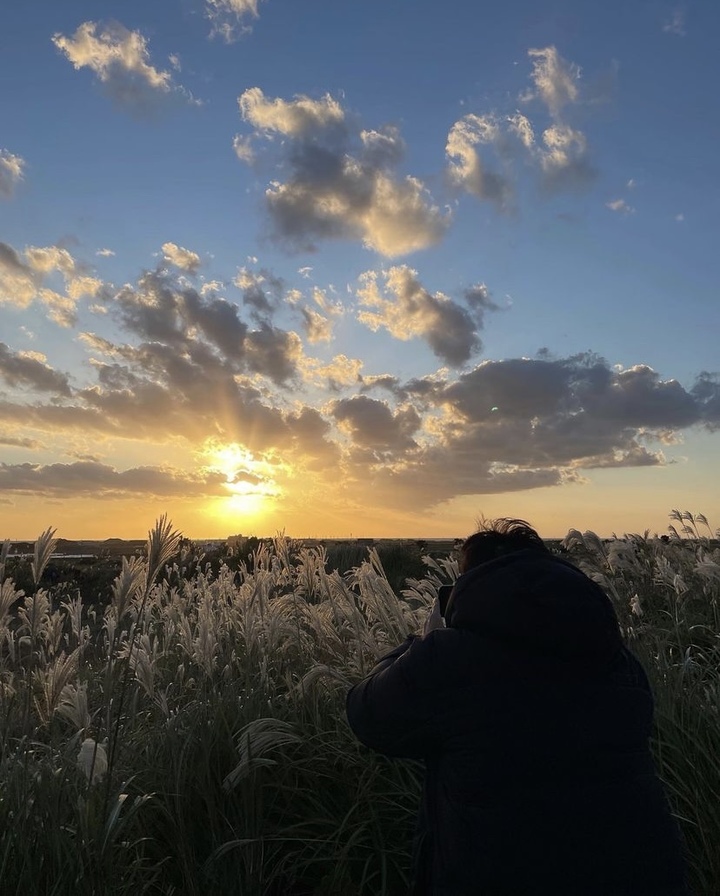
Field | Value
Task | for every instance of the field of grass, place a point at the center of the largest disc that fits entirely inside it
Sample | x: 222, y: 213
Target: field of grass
x: 185, y: 734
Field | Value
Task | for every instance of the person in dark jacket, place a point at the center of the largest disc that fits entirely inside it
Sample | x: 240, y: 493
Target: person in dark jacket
x: 533, y: 720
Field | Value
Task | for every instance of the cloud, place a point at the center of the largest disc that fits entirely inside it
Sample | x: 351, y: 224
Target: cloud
x: 161, y: 311
x: 410, y: 311
x: 229, y: 18
x: 23, y: 280
x: 105, y: 253
x: 488, y: 152
x: 300, y: 117
x: 676, y: 23
x: 262, y: 291
x: 318, y: 328
x: 621, y: 206
x: 13, y: 442
x: 555, y: 79
x: 28, y: 370
x: 188, y: 369
x: 341, y: 183
x: 564, y: 159
x: 11, y: 173
x: 466, y: 169
x: 372, y: 424
x: 527, y: 423
x: 120, y: 60
x: 184, y: 259
x: 339, y: 373
x: 96, y: 480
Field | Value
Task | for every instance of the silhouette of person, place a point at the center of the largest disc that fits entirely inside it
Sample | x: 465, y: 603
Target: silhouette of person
x: 533, y: 720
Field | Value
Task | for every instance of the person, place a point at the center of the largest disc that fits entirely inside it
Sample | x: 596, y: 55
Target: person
x: 533, y: 720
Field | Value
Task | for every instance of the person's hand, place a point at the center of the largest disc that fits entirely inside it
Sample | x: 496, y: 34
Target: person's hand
x: 434, y: 619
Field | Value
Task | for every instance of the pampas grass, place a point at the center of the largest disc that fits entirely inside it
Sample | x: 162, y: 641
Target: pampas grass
x: 191, y: 738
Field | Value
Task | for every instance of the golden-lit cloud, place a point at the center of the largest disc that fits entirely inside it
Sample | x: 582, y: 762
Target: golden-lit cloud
x: 215, y: 379
x: 410, y: 311
x: 120, y: 60
x: 341, y: 181
x: 555, y: 79
x: 23, y: 279
x: 184, y: 259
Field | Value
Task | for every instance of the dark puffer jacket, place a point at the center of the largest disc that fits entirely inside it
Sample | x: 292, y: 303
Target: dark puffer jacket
x: 533, y: 720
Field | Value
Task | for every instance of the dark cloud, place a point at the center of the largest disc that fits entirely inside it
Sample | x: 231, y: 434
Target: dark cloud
x: 97, y: 480
x: 160, y: 310
x: 262, y: 291
x: 372, y: 424
x: 19, y: 369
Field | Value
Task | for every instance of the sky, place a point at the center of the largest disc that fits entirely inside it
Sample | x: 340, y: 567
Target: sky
x: 358, y: 269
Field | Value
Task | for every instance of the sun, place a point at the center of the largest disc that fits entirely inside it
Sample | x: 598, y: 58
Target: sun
x: 249, y: 481
x: 250, y: 486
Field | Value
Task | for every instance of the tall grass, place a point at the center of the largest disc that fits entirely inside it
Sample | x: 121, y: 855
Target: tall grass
x: 190, y: 736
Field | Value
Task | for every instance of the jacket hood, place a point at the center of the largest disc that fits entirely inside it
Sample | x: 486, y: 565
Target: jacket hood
x: 539, y: 603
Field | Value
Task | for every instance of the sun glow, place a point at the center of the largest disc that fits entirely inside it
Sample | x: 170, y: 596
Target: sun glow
x: 249, y: 481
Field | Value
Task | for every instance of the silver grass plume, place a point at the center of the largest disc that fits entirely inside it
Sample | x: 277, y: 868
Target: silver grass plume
x: 162, y: 544
x: 44, y: 546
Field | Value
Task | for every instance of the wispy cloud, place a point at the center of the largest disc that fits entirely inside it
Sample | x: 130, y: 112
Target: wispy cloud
x: 487, y: 151
x: 11, y: 172
x: 120, y: 60
x: 555, y: 79
x: 341, y: 183
x: 230, y: 18
x: 676, y: 23
x: 620, y: 206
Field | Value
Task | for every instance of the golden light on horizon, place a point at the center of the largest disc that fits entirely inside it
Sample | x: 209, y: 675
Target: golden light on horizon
x: 251, y: 488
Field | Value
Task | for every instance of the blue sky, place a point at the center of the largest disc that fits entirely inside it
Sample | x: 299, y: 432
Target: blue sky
x: 369, y: 269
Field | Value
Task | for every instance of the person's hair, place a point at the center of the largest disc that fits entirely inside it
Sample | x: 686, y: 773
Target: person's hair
x: 495, y: 538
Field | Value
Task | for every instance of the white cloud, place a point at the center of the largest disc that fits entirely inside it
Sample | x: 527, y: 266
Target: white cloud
x: 182, y: 258
x: 120, y: 60
x: 620, y: 205
x: 11, y: 173
x: 105, y: 253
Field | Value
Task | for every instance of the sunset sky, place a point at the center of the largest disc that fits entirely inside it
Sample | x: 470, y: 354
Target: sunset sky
x: 358, y: 268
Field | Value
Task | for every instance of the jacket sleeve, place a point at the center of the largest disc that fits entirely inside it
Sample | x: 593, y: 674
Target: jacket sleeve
x: 394, y: 709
